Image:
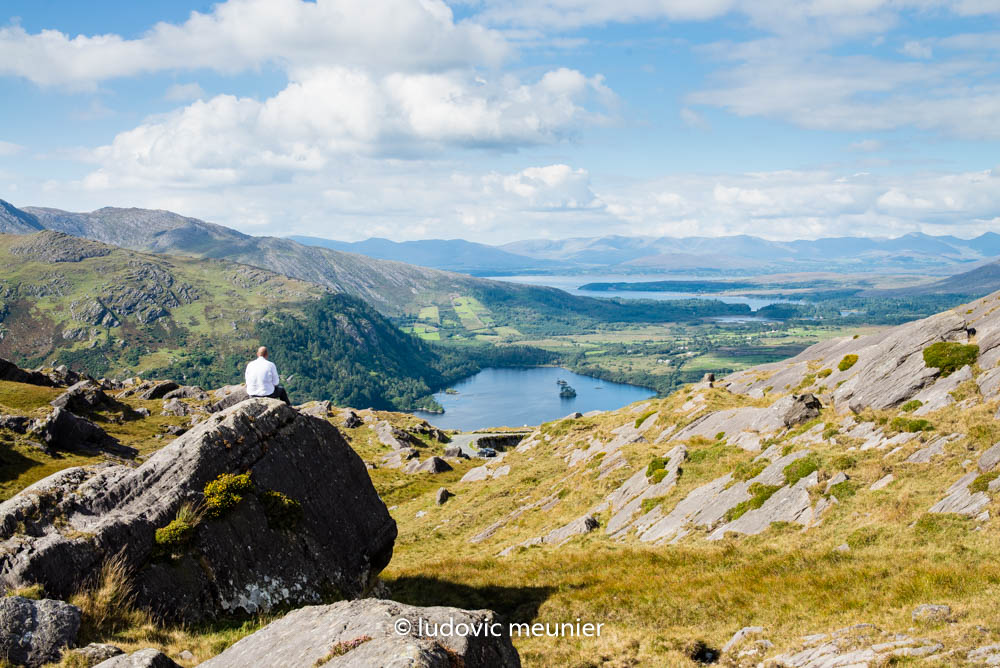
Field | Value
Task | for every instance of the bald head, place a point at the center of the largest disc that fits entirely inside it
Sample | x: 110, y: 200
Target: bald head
x: 262, y: 351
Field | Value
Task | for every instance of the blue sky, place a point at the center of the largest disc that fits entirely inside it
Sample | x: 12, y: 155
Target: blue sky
x: 497, y: 121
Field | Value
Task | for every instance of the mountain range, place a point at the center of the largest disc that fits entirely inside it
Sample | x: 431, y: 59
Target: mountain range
x: 741, y: 254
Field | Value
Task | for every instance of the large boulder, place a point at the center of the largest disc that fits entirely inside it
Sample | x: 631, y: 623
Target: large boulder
x: 35, y: 632
x: 159, y: 390
x: 83, y: 397
x: 11, y: 372
x: 372, y: 632
x: 61, y: 430
x: 306, y: 525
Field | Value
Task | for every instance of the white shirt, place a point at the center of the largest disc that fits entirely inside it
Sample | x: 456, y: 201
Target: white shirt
x: 261, y: 377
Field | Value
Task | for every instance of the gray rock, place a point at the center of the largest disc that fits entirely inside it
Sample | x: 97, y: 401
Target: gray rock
x: 455, y: 451
x: 320, y: 409
x: 83, y: 397
x: 95, y: 653
x: 395, y: 438
x: 933, y: 449
x: 13, y: 373
x: 36, y: 632
x: 142, y: 411
x: 306, y: 636
x: 429, y: 465
x: 836, y: 480
x: 159, y: 390
x: 960, y: 500
x: 16, y: 423
x: 788, y: 504
x: 801, y: 408
x: 426, y: 429
x: 399, y: 458
x: 187, y: 392
x: 350, y: 419
x: 476, y: 474
x: 144, y: 658
x: 938, y: 395
x: 882, y: 482
x: 119, y: 509
x: 61, y: 430
x: 175, y: 407
x: 929, y: 612
x: 988, y: 655
x: 740, y: 635
x: 989, y: 459
x: 227, y: 397
x: 442, y: 496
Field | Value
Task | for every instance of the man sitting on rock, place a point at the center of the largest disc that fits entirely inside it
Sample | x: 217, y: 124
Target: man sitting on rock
x: 262, y: 378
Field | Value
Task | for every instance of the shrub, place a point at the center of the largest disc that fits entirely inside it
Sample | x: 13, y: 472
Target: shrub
x: 982, y: 483
x: 649, y: 504
x: 342, y: 648
x: 642, y: 418
x: 759, y: 493
x: 843, y: 462
x: 830, y: 432
x: 35, y: 592
x: 843, y: 490
x: 657, y: 464
x: 721, y: 435
x: 750, y: 469
x: 911, y: 405
x: 823, y: 373
x: 863, y: 537
x: 173, y: 537
x: 949, y: 356
x: 911, y: 425
x: 658, y: 476
x: 282, y: 512
x: 800, y: 468
x: 847, y: 362
x: 225, y: 493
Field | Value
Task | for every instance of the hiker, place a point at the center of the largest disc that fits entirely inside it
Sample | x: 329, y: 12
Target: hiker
x: 262, y: 378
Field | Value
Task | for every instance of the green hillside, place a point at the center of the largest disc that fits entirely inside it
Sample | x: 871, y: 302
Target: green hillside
x: 113, y: 312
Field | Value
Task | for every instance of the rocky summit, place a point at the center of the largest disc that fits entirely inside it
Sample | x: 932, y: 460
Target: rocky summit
x: 256, y: 507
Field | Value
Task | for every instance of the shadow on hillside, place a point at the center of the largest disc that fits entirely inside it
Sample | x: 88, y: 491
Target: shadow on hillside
x: 514, y: 604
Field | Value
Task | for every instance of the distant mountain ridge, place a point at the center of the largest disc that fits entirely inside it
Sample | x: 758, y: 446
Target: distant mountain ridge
x: 913, y: 251
x: 459, y: 255
x: 726, y: 255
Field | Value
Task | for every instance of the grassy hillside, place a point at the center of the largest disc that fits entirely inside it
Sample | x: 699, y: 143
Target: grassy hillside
x: 113, y: 312
x: 831, y: 521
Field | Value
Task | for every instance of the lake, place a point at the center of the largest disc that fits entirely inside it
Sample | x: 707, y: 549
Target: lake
x: 527, y: 396
x: 571, y: 282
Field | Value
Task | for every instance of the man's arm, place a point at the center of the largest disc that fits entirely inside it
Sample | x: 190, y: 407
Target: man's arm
x: 274, y: 375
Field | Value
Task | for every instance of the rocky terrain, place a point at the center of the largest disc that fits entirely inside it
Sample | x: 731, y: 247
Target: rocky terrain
x: 838, y: 508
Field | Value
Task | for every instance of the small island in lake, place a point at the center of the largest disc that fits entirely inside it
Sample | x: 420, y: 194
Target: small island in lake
x: 567, y: 392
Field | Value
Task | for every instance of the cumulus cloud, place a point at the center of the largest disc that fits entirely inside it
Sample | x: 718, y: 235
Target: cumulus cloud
x: 242, y: 34
x: 336, y: 111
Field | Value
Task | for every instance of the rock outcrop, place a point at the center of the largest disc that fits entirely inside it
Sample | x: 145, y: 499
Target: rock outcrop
x: 36, y: 632
x: 61, y: 430
x: 11, y: 372
x: 306, y: 522
x: 83, y: 397
x: 373, y: 632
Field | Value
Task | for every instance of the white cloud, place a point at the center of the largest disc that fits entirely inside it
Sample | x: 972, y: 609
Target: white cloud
x: 336, y: 111
x: 242, y: 34
x: 918, y: 50
x: 184, y: 92
x: 9, y: 148
x: 867, y: 146
x: 859, y: 93
x: 693, y: 119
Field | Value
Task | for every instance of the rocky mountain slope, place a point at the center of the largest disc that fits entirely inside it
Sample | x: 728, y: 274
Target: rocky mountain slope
x: 836, y: 508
